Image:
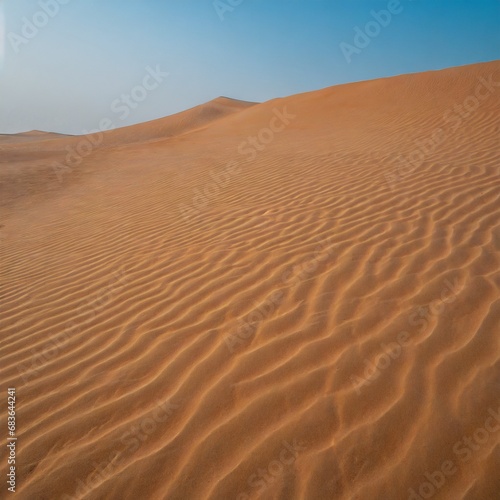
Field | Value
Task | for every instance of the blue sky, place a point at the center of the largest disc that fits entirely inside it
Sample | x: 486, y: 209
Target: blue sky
x: 87, y: 53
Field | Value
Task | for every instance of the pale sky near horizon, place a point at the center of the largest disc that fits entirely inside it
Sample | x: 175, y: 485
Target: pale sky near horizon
x: 67, y: 64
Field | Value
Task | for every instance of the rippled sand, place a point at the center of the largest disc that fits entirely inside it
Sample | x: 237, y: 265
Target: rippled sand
x: 313, y: 314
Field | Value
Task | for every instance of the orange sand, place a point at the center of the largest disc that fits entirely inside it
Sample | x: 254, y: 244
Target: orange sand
x: 250, y: 289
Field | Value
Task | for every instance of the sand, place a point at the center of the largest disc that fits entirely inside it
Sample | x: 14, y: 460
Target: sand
x: 314, y: 313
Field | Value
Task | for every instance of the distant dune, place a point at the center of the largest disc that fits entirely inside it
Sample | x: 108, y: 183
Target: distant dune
x: 35, y: 161
x: 31, y: 136
x: 298, y: 299
x: 180, y: 123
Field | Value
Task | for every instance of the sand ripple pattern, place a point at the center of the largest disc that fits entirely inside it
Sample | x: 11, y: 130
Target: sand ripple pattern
x: 226, y: 354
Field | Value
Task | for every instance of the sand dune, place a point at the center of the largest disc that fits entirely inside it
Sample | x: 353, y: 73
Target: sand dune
x: 180, y: 123
x: 311, y: 313
x: 177, y: 124
x: 35, y: 162
x: 32, y: 136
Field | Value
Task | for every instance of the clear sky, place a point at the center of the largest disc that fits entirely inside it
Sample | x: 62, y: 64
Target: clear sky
x: 65, y: 64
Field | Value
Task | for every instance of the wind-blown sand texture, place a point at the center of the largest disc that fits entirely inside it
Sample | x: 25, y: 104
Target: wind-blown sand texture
x: 256, y: 310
